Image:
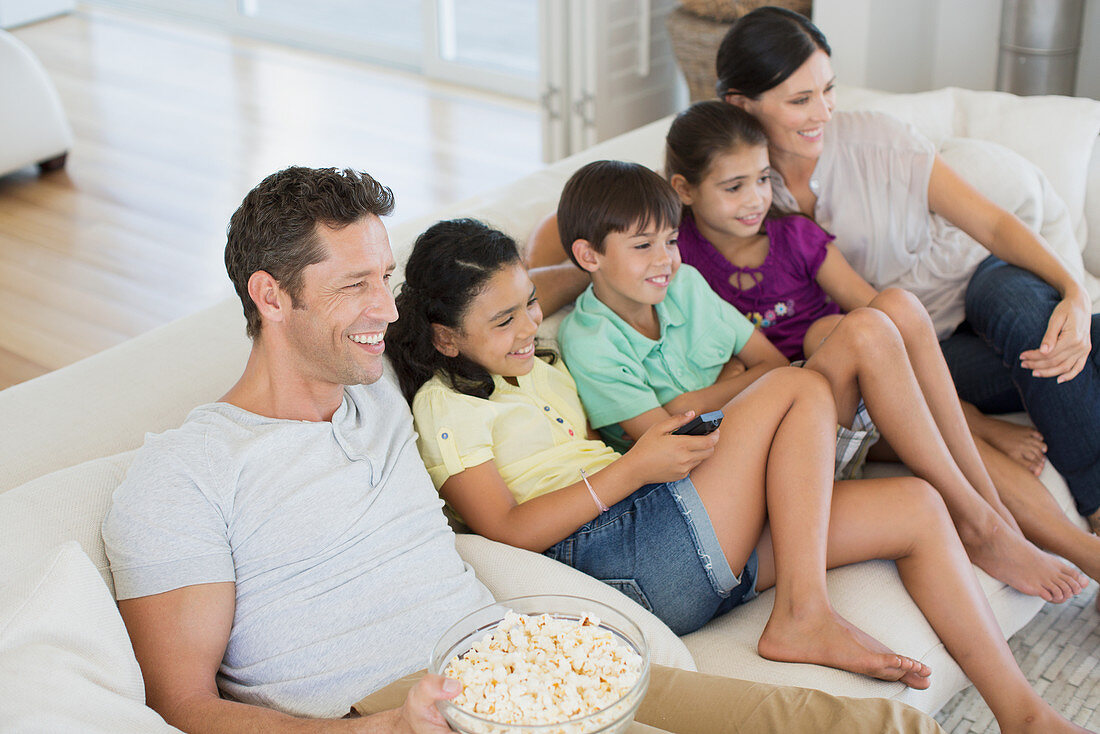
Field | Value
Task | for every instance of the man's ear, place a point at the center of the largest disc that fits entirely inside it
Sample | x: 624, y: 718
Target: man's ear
x: 682, y: 187
x: 271, y: 300
x: 443, y: 339
x: 586, y: 255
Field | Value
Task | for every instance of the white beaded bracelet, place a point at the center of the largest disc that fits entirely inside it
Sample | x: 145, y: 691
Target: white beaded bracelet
x: 595, y: 497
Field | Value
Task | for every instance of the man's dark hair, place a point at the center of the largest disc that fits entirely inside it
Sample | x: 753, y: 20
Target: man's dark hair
x: 613, y: 196
x: 275, y: 229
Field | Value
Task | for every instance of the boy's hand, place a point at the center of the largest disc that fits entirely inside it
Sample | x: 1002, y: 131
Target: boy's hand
x: 663, y: 457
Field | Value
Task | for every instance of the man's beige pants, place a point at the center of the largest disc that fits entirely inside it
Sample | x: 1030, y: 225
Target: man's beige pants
x: 696, y: 703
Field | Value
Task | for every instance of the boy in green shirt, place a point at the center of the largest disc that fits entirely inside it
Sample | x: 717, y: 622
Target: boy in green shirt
x: 649, y: 338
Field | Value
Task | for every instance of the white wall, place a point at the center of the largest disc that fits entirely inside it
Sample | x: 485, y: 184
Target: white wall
x: 905, y: 46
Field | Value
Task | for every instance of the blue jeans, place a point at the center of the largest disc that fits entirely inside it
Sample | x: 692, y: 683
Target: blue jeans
x: 1007, y: 310
x: 659, y: 548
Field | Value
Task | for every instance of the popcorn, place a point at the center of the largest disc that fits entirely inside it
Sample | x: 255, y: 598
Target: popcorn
x: 545, y: 670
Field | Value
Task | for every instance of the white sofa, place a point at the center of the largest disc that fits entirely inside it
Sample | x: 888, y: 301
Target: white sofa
x: 66, y: 439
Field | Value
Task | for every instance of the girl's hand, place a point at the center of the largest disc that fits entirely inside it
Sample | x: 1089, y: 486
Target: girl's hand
x: 1066, y: 344
x: 663, y: 457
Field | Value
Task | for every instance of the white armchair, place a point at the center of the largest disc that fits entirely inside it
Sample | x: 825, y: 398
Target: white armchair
x: 33, y: 127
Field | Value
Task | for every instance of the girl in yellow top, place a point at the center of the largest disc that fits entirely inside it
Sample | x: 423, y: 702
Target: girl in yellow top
x: 503, y: 435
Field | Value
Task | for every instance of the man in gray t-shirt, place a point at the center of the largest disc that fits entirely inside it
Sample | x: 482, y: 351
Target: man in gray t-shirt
x: 285, y: 546
x: 332, y: 534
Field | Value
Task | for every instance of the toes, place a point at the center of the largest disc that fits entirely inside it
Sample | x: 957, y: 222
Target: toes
x: 918, y: 677
x: 1075, y: 579
x: 916, y: 666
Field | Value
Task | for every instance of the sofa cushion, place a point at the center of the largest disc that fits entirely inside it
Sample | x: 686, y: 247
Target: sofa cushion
x: 1055, y: 133
x: 871, y: 596
x: 69, y: 504
x: 1017, y: 185
x: 65, y: 661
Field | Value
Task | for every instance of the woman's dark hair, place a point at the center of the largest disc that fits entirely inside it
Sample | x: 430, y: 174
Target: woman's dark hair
x: 763, y: 48
x: 705, y: 130
x: 450, y: 264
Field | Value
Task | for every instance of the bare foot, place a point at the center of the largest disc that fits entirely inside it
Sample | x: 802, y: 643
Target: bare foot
x: 829, y: 639
x: 1022, y: 444
x: 1009, y: 557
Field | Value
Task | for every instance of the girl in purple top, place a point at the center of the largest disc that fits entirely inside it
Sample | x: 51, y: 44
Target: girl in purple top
x: 783, y: 297
x: 782, y: 272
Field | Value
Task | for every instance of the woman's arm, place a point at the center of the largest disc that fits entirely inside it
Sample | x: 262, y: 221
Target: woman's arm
x: 556, y: 286
x: 758, y: 356
x: 544, y: 246
x: 1066, y: 344
x: 557, y: 280
x: 842, y: 283
x: 481, y: 497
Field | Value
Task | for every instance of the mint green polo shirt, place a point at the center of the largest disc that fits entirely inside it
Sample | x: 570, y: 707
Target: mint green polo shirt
x: 620, y: 373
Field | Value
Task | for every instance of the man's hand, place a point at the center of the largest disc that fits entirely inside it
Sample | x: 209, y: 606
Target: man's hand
x: 419, y: 714
x: 1066, y: 344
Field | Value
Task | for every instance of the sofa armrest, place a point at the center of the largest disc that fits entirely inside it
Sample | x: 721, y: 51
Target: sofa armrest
x: 105, y: 404
x: 510, y: 572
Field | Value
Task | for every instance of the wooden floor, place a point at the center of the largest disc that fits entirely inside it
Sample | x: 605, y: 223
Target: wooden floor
x: 173, y: 125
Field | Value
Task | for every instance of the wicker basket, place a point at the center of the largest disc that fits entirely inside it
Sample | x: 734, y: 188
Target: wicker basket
x: 730, y: 10
x: 695, y: 37
x: 695, y: 43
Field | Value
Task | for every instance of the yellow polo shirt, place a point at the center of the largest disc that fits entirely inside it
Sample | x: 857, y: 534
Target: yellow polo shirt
x: 535, y: 431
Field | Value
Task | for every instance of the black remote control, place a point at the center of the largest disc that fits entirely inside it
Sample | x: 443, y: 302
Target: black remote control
x: 700, y: 425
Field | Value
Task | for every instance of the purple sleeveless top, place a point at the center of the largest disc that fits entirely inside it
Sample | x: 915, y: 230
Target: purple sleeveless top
x: 786, y: 298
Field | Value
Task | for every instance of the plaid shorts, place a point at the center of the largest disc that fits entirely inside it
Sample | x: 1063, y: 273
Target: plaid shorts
x: 853, y: 443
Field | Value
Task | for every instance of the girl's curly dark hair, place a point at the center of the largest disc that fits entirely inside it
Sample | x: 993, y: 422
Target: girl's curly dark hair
x: 450, y: 264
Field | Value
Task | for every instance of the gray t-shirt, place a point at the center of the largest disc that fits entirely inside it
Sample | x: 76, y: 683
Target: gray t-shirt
x: 345, y: 568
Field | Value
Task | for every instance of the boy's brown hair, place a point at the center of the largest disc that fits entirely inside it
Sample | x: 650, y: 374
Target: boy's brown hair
x: 613, y: 196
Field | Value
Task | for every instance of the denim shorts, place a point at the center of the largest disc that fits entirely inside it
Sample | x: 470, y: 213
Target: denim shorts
x: 659, y: 548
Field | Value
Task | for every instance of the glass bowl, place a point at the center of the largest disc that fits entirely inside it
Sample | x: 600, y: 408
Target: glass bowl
x: 473, y: 627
